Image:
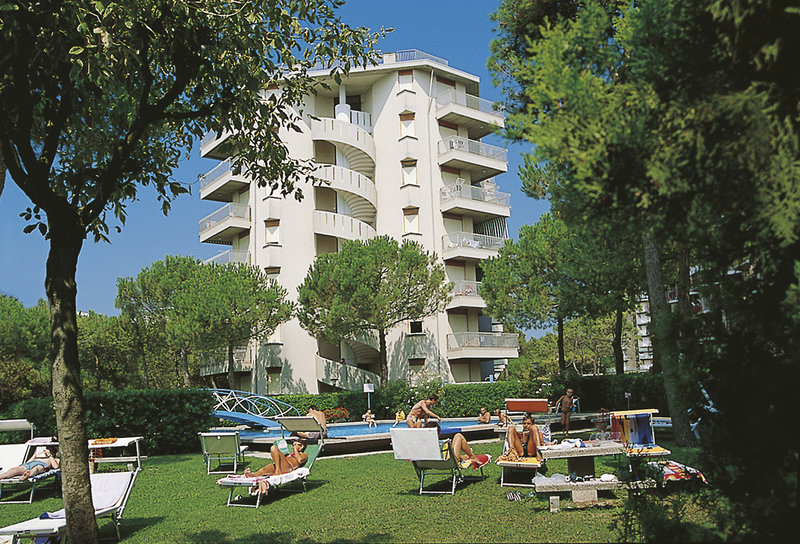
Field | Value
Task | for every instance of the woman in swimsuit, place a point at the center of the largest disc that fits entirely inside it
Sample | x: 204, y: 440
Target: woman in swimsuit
x: 282, y: 464
x: 42, y: 460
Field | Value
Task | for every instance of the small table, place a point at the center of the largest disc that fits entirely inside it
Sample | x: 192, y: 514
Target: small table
x: 581, y: 462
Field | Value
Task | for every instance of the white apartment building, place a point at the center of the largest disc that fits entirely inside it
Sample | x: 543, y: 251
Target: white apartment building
x: 399, y: 145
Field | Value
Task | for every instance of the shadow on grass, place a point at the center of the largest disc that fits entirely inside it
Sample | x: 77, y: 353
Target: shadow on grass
x: 128, y: 526
x: 205, y: 537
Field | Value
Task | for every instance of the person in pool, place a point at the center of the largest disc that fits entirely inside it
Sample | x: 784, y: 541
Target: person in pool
x: 42, y: 460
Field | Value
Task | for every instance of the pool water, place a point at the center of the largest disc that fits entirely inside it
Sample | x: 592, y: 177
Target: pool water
x: 341, y: 430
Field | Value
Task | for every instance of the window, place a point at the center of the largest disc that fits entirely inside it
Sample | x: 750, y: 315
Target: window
x: 410, y: 220
x: 409, y: 171
x: 405, y: 80
x: 415, y: 327
x: 272, y: 227
x: 273, y: 381
x: 407, y: 125
x: 415, y: 367
x: 272, y: 272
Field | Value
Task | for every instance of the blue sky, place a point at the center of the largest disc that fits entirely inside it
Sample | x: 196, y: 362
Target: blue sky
x: 457, y: 30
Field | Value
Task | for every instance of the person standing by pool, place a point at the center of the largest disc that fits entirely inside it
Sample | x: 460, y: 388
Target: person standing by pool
x: 564, y: 405
x: 422, y: 410
x: 321, y: 419
x: 399, y: 416
x: 484, y: 416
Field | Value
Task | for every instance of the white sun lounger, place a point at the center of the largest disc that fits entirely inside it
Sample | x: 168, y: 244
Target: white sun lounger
x: 110, y: 493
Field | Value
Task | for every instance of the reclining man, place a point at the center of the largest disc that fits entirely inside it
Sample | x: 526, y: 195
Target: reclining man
x: 525, y: 444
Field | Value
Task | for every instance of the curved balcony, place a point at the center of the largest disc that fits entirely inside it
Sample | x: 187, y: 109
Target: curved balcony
x: 354, y: 142
x: 482, y: 345
x: 465, y: 295
x: 479, y: 116
x: 481, y: 202
x: 481, y: 160
x: 221, y: 184
x: 224, y: 224
x: 357, y: 190
x: 470, y: 246
x: 341, y: 226
x: 346, y: 377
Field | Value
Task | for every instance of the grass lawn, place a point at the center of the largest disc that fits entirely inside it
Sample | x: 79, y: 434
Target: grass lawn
x: 370, y: 498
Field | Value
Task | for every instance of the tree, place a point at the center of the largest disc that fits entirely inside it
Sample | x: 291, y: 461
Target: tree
x: 97, y: 99
x: 24, y: 346
x: 106, y: 353
x: 227, y: 306
x: 524, y: 285
x: 371, y: 286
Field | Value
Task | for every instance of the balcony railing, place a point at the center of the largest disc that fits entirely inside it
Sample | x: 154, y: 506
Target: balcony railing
x: 241, y: 211
x: 216, y: 362
x: 457, y: 143
x: 230, y: 256
x: 471, y: 240
x: 342, y: 226
x: 462, y: 340
x: 472, y: 192
x: 361, y: 119
x: 466, y: 288
x: 219, y: 171
x: 469, y: 101
x: 346, y: 377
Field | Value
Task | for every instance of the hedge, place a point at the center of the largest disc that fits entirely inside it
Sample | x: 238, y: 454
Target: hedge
x: 168, y: 419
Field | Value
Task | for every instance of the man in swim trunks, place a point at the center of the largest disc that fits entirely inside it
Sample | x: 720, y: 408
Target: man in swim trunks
x: 420, y: 411
x: 484, y: 416
x: 42, y: 460
x: 525, y: 444
x: 282, y: 464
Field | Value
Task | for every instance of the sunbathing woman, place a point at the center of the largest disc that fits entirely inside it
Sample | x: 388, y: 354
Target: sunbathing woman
x: 525, y: 444
x: 462, y: 449
x: 42, y: 460
x: 282, y: 464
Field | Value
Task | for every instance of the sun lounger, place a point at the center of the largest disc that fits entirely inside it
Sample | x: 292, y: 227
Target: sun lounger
x: 110, y: 493
x: 291, y: 425
x: 635, y: 428
x: 221, y: 447
x: 14, y: 455
x: 429, y: 456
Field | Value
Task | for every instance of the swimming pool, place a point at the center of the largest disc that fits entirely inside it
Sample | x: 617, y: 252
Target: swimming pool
x: 346, y: 430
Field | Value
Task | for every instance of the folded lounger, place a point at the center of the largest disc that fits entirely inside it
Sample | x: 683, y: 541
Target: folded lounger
x: 110, y: 493
x: 222, y: 447
x: 291, y: 425
x: 428, y: 455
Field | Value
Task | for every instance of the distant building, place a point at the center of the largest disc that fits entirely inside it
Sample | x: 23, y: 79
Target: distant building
x: 400, y: 147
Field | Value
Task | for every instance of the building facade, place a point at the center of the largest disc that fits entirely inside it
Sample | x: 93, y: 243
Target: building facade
x: 399, y: 148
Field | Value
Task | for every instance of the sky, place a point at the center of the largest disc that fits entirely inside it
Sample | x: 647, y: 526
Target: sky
x: 456, y: 30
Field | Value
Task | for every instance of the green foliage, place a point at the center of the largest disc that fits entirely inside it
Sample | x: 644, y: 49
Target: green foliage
x: 24, y: 347
x: 169, y: 420
x: 371, y: 286
x: 106, y: 352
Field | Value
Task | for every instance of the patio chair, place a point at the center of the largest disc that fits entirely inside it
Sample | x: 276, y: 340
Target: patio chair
x: 429, y: 456
x: 221, y: 447
x: 635, y: 428
x: 291, y: 425
x: 110, y: 493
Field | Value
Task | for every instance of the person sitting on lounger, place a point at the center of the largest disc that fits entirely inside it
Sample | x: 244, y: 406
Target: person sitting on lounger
x: 42, y: 460
x: 525, y: 444
x: 282, y: 464
x: 462, y: 449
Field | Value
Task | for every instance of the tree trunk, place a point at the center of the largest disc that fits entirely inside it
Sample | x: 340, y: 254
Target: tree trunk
x: 616, y: 344
x: 383, y: 357
x: 2, y: 172
x: 185, y: 368
x: 231, y: 363
x: 65, y: 246
x: 562, y: 365
x: 664, y: 341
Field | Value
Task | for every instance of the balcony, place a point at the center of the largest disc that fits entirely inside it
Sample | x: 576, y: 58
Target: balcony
x: 481, y: 202
x: 213, y: 147
x: 271, y: 256
x: 470, y: 246
x: 230, y: 256
x: 482, y: 345
x: 224, y: 224
x: 479, y: 116
x: 221, y: 184
x: 216, y: 362
x: 348, y: 377
x: 341, y: 226
x: 481, y: 160
x: 465, y: 295
x: 354, y: 142
x: 356, y: 189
